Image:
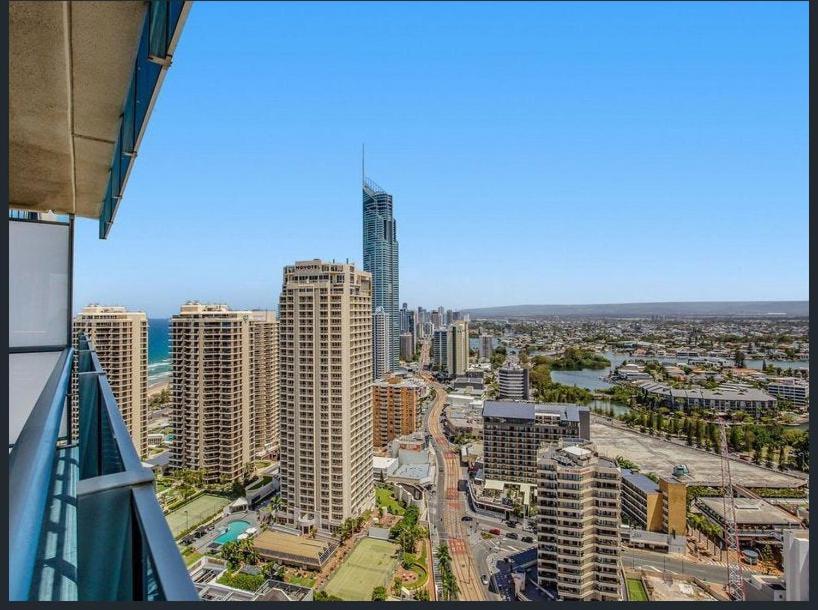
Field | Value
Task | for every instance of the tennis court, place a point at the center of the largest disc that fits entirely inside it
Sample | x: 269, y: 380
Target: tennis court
x: 371, y: 564
x: 194, y: 512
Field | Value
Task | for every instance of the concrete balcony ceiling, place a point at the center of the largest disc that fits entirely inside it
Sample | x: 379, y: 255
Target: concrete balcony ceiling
x: 70, y: 65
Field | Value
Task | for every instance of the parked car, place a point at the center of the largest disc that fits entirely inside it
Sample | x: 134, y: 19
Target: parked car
x: 484, y: 579
x: 527, y: 539
x: 512, y: 535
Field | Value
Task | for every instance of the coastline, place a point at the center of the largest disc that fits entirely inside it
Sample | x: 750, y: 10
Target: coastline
x: 156, y: 386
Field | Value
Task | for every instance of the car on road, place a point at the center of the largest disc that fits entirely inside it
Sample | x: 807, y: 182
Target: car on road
x: 512, y: 535
x: 466, y: 518
x: 495, y: 531
x: 527, y: 539
x: 484, y: 579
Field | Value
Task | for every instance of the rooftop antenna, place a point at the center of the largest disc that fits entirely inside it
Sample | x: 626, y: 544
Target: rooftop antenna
x: 363, y: 173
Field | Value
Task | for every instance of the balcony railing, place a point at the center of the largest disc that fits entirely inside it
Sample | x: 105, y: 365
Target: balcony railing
x: 84, y: 523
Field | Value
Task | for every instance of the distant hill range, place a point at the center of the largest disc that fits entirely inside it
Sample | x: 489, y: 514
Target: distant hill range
x: 631, y: 310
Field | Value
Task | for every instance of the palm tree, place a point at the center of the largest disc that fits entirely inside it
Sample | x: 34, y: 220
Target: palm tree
x: 443, y: 553
x: 275, y: 505
x: 231, y: 552
x: 449, y: 585
x: 247, y: 551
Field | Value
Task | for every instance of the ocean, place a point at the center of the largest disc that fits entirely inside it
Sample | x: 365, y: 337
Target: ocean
x: 158, y: 350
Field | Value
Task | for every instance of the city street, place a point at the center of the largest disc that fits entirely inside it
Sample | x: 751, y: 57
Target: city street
x: 659, y: 562
x: 448, y: 504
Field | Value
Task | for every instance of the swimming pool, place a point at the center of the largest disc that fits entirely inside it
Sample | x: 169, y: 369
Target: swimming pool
x: 234, y: 528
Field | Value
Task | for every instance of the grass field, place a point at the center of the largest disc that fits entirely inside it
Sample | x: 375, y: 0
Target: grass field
x: 636, y: 590
x: 371, y: 564
x: 198, y: 510
x: 385, y: 498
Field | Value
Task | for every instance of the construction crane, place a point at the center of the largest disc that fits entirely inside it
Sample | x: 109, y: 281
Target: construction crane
x: 735, y: 579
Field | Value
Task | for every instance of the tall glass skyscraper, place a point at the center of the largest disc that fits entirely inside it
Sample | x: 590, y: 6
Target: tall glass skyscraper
x: 381, y: 260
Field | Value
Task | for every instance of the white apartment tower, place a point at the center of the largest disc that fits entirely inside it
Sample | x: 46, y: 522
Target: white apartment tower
x: 120, y: 338
x: 264, y: 376
x: 325, y: 361
x: 578, y: 502
x: 211, y: 360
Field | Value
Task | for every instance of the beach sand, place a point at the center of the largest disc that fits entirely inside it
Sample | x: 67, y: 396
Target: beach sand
x: 157, y: 386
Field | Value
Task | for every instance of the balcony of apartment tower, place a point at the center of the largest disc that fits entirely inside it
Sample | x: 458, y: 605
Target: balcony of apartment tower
x: 84, y: 523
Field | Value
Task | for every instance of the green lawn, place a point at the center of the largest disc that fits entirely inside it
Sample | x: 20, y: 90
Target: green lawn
x: 385, y: 498
x: 371, y: 564
x: 198, y: 510
x: 304, y: 581
x: 191, y: 558
x: 636, y: 590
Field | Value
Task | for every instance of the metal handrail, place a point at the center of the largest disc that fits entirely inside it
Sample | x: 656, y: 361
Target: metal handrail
x: 31, y: 467
x: 154, y: 538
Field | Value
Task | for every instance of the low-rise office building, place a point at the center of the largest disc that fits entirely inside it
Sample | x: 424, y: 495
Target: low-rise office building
x: 641, y: 501
x: 514, y: 431
x: 728, y: 397
x: 757, y: 521
x: 790, y: 388
x: 655, y: 507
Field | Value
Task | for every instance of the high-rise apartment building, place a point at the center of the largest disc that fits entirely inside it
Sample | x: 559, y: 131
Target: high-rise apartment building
x: 578, y: 502
x: 486, y: 347
x: 325, y: 378
x: 440, y: 348
x: 381, y: 259
x: 457, y: 352
x: 407, y: 347
x: 381, y: 347
x: 394, y: 409
x: 512, y: 380
x: 121, y: 341
x: 405, y: 326
x: 211, y: 356
x: 514, y: 431
x: 437, y: 319
x: 264, y: 377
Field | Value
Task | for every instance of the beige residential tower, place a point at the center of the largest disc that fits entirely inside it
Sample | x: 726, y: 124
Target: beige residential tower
x: 325, y: 362
x: 120, y: 338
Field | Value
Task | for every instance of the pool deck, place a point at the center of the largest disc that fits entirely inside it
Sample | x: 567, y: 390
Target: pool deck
x: 200, y: 544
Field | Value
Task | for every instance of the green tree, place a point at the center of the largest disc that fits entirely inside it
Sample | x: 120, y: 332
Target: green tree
x: 782, y: 458
x: 739, y: 358
x: 322, y: 596
x: 272, y: 570
x: 379, y: 594
x: 231, y: 553
x: 421, y: 595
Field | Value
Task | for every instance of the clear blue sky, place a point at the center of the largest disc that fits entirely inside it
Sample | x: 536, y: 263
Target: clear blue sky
x: 537, y: 153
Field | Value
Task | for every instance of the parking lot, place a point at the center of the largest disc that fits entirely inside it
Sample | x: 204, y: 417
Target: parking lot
x: 657, y: 455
